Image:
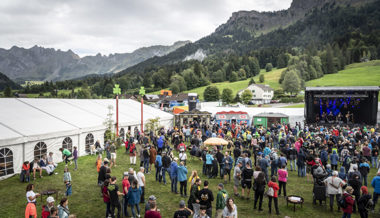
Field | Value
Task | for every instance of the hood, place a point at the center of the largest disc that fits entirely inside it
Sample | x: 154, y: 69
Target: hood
x: 223, y: 191
x: 334, y: 152
x: 341, y: 170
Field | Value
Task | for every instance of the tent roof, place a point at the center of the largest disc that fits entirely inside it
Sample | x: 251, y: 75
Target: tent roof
x: 35, y: 118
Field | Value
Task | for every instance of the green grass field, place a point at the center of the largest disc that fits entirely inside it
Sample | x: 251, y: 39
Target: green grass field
x: 86, y: 200
x: 359, y: 74
x: 295, y: 106
x: 270, y: 78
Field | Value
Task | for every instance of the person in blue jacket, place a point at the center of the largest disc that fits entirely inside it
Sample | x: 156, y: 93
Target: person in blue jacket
x: 209, y: 160
x: 158, y: 164
x: 160, y: 144
x: 134, y: 195
x: 324, y: 156
x: 173, y: 175
x: 182, y: 178
x: 376, y: 185
x: 334, y: 158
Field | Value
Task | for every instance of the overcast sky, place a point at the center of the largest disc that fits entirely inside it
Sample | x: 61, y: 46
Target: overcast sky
x: 116, y: 26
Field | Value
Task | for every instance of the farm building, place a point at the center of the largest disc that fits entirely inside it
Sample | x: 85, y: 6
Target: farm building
x: 238, y: 117
x: 267, y: 119
x: 30, y: 128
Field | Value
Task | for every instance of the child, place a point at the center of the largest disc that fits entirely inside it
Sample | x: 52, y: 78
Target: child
x: 25, y: 172
x: 67, y: 181
x: 36, y: 167
x: 75, y: 155
x: 98, y: 162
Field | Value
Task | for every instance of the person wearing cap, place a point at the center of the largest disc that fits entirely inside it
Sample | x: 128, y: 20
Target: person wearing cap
x: 334, y: 188
x: 151, y: 199
x: 126, y: 185
x: 46, y: 209
x: 183, y: 211
x: 376, y: 186
x: 221, y: 199
x: 173, y: 175
x: 153, y: 212
x: 347, y: 196
x: 165, y: 166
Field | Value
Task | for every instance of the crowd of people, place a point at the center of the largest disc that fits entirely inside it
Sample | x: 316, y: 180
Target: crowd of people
x: 336, y: 159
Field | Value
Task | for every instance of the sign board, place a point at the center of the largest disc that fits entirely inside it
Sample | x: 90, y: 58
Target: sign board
x: 222, y: 117
x: 243, y: 116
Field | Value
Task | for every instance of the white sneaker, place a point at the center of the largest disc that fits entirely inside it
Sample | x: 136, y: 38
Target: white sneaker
x: 56, y: 173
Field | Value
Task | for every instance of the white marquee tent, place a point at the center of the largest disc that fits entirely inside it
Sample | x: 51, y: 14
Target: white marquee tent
x: 31, y: 127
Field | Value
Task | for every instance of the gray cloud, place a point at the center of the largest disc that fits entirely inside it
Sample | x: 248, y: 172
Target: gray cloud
x: 92, y: 26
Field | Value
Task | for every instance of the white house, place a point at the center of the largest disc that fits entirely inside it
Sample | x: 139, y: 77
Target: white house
x: 261, y: 94
x: 30, y: 128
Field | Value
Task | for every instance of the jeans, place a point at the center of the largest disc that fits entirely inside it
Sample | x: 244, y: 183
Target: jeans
x: 275, y: 200
x: 68, y: 189
x: 273, y: 171
x: 146, y: 165
x: 374, y: 162
x: 282, y: 186
x: 159, y: 174
x: 183, y: 187
x: 113, y: 210
x: 363, y: 213
x: 76, y: 163
x: 133, y: 209
x: 301, y: 171
x: 174, y: 184
x: 108, y: 208
x: 293, y: 162
x: 164, y: 170
x: 346, y: 215
x: 125, y: 208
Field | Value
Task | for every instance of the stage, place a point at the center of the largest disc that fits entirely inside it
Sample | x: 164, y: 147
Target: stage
x: 341, y: 105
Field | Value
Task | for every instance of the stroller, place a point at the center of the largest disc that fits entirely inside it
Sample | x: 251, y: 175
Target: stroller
x: 319, y: 188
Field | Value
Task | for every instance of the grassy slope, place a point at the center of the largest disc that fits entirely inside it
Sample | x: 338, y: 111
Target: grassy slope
x: 359, y: 74
x: 86, y: 200
x: 270, y: 78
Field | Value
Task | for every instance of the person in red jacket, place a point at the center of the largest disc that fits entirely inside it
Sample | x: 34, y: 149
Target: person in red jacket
x: 350, y: 200
x: 274, y: 185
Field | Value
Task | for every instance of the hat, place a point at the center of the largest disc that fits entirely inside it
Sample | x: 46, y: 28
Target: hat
x: 182, y: 203
x: 221, y: 185
x: 152, y: 198
x: 106, y: 160
x: 50, y: 199
x: 125, y: 173
x: 176, y: 159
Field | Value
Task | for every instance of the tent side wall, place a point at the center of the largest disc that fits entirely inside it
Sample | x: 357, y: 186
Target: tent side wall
x: 260, y: 121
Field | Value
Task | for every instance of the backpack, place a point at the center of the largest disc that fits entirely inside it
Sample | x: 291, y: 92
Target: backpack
x: 342, y: 202
x: 270, y: 192
x: 369, y: 205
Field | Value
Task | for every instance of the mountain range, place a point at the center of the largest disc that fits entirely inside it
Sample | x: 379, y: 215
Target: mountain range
x: 38, y: 63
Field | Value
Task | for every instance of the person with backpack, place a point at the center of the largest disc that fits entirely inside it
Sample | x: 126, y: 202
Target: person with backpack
x: 364, y: 203
x: 272, y: 195
x: 221, y: 199
x: 334, y: 186
x: 347, y: 202
x: 334, y: 158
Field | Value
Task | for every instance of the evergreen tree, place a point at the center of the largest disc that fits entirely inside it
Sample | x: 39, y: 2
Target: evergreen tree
x: 251, y: 81
x: 227, y: 96
x: 8, y: 91
x: 233, y: 77
x: 268, y: 67
x: 330, y: 65
x: 211, y: 93
x: 261, y: 78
